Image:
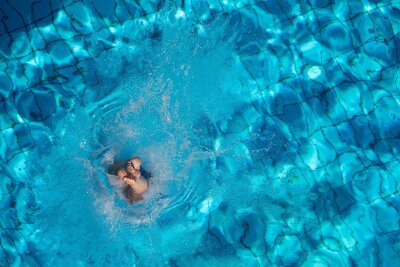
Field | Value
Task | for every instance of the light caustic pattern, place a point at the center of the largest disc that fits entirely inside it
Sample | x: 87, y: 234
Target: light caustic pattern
x: 270, y: 127
x: 157, y: 107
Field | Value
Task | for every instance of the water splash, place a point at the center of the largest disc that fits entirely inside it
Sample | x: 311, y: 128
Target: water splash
x: 153, y: 99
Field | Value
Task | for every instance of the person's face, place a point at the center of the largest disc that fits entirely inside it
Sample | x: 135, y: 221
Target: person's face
x: 136, y: 162
x: 133, y: 171
x: 130, y: 166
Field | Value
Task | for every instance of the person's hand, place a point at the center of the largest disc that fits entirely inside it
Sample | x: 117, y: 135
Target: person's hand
x: 128, y: 181
x: 122, y: 173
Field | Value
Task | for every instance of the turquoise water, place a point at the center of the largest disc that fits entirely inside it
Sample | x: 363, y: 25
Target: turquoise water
x: 271, y: 129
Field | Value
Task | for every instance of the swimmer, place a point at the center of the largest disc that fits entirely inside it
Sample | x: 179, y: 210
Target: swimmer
x: 135, y: 184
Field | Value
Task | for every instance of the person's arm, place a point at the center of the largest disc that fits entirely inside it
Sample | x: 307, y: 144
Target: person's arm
x: 138, y: 186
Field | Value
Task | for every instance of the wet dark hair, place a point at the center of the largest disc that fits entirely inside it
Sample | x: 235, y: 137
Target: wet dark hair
x: 114, y: 168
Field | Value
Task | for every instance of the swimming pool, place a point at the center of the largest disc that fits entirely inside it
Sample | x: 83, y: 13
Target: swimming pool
x: 271, y: 129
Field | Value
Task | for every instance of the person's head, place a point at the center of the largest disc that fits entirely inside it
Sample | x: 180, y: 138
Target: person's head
x: 136, y: 163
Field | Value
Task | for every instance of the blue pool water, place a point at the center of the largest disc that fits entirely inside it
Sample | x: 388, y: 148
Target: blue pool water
x: 271, y: 129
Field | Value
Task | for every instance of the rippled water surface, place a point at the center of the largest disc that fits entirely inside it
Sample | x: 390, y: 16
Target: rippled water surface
x: 270, y: 128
